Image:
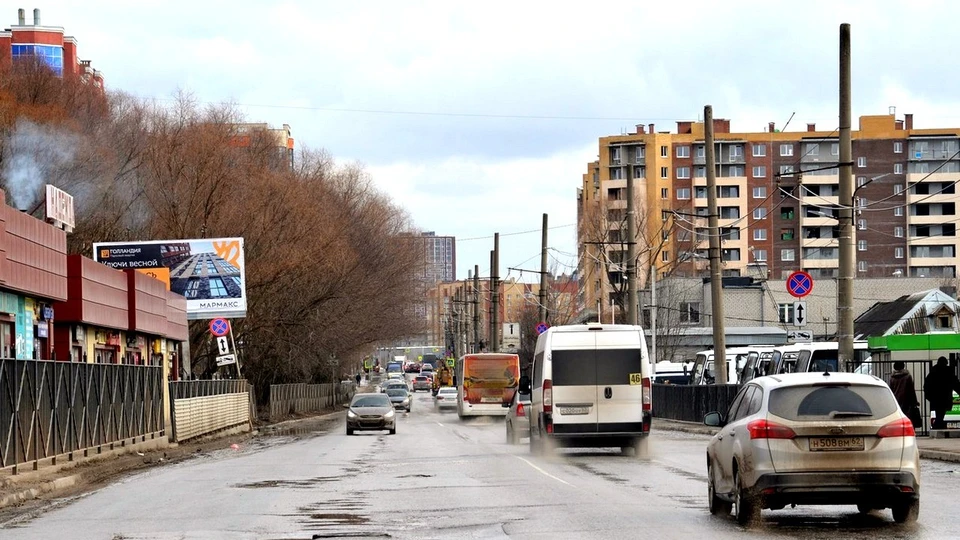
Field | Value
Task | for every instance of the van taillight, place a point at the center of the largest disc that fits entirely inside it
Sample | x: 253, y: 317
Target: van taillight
x: 547, y: 396
x: 646, y: 395
x: 520, y: 410
x: 898, y: 428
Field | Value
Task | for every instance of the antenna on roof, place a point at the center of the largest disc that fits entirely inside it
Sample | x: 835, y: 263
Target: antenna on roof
x: 788, y: 121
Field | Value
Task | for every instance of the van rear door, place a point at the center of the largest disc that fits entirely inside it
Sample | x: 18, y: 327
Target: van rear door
x: 619, y: 376
x: 574, y: 378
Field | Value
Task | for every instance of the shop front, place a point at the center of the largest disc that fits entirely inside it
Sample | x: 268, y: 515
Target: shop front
x: 92, y: 321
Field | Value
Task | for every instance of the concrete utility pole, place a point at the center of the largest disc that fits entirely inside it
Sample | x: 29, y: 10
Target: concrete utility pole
x: 543, y: 272
x: 653, y: 313
x: 495, y: 293
x: 490, y: 320
x: 848, y: 239
x: 476, y: 308
x: 468, y: 311
x: 632, y: 302
x: 716, y: 275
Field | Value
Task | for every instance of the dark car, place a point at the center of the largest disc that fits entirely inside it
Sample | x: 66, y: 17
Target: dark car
x: 400, y: 398
x: 373, y: 412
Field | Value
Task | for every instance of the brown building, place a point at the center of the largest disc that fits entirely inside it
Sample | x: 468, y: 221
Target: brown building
x: 778, y: 202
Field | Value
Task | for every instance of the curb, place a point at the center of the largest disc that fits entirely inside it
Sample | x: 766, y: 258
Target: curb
x: 940, y: 455
x: 58, y: 484
x: 685, y: 427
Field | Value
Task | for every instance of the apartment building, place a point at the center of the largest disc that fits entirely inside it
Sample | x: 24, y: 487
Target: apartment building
x: 777, y: 199
x: 49, y: 44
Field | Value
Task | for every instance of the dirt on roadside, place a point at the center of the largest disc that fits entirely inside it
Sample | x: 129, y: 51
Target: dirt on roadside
x: 92, y: 474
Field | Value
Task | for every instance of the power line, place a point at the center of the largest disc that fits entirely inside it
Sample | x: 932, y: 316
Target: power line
x: 514, y: 233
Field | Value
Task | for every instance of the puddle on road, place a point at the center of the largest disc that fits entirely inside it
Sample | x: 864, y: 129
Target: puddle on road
x: 418, y: 475
x: 337, y: 519
x: 605, y: 475
x: 288, y: 483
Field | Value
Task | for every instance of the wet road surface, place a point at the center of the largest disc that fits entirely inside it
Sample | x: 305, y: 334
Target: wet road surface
x: 440, y: 477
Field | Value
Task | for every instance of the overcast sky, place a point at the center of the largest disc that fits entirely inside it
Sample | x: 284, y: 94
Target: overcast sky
x: 479, y: 117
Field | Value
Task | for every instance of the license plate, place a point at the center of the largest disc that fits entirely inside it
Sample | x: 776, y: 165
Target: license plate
x: 574, y: 410
x: 835, y: 444
x: 490, y: 400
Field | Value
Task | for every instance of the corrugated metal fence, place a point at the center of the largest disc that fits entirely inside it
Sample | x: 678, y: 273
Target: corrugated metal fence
x: 205, y: 407
x: 50, y: 409
x: 691, y: 402
x: 287, y: 399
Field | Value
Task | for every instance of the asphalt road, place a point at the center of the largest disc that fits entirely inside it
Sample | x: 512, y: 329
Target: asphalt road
x: 440, y: 477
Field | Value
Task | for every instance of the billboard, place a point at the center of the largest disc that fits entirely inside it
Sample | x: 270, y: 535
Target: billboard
x: 208, y: 272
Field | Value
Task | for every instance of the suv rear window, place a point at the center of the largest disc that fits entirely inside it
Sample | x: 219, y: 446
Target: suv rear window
x: 818, y: 403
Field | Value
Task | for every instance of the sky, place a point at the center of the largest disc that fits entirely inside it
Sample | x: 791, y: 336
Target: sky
x: 478, y: 118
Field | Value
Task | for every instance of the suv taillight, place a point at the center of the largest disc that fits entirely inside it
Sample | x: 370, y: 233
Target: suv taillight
x: 646, y: 395
x: 764, y: 429
x: 547, y: 396
x: 520, y: 410
x: 898, y: 428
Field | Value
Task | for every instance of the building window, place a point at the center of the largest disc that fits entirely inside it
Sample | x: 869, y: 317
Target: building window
x: 759, y: 150
x: 785, y: 311
x: 835, y: 149
x: 898, y: 168
x: 736, y: 152
x: 898, y: 232
x: 193, y: 289
x: 759, y: 234
x: 683, y: 173
x: 898, y: 211
x: 862, y: 266
x: 760, y: 255
x: 690, y: 312
x: 787, y: 234
x: 861, y: 162
x: 51, y: 55
x: 861, y: 181
x: 683, y: 151
x: 786, y: 149
x: 759, y: 171
x: 759, y: 213
x: 664, y: 151
x: 787, y: 255
x: 897, y: 189
x: 664, y: 171
x: 862, y: 225
x: 701, y: 151
x: 760, y: 192
x: 665, y: 256
x: 786, y: 170
x: 639, y: 171
x: 862, y: 202
x: 943, y: 322
x: 898, y: 253
x: 897, y: 147
x: 700, y: 172
x: 786, y: 212
x: 813, y: 149
x: 664, y: 193
x: 861, y: 245
x: 683, y: 194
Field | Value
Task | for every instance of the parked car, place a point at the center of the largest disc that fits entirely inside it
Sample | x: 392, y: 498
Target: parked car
x: 813, y: 438
x: 371, y: 412
x: 517, y: 422
x: 446, y: 398
x: 400, y: 398
x: 421, y: 382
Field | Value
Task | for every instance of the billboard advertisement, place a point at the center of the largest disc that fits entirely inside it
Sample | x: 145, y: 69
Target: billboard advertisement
x: 208, y: 272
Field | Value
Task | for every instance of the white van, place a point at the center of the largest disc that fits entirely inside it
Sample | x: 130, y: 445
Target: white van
x: 704, y: 371
x: 815, y: 356
x: 591, y: 387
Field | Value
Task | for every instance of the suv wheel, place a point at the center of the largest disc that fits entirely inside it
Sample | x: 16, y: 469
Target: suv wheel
x: 716, y: 505
x: 745, y: 505
x: 906, y: 512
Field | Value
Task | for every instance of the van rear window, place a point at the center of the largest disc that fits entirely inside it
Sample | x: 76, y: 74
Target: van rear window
x: 595, y: 367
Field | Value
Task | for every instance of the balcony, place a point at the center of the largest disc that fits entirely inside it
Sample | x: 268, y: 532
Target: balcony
x: 931, y: 219
x: 818, y: 221
x: 819, y: 242
x: 821, y: 263
x: 818, y: 200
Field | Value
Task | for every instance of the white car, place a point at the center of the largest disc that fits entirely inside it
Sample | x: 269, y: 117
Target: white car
x: 813, y: 438
x: 446, y: 398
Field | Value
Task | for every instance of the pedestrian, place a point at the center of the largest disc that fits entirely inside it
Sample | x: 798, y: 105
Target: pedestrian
x: 358, y: 378
x: 901, y: 383
x: 939, y: 386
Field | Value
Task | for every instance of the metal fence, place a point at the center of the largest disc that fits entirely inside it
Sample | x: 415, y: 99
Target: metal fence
x: 691, y: 402
x: 191, y: 389
x: 50, y: 409
x: 193, y: 416
x: 287, y: 399
x: 918, y: 370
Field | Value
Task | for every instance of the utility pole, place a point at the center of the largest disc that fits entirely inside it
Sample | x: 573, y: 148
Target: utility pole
x: 476, y: 308
x: 468, y: 311
x: 848, y: 238
x: 716, y: 276
x: 632, y: 304
x: 495, y: 295
x: 543, y: 272
x: 653, y: 312
x: 490, y: 305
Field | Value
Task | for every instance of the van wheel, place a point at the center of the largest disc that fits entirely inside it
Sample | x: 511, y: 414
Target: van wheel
x: 907, y: 512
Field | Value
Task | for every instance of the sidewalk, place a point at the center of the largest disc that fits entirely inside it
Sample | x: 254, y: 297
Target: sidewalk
x: 938, y: 449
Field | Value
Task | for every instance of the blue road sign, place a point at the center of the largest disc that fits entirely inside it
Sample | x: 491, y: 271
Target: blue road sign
x: 219, y: 327
x: 541, y: 328
x: 799, y: 284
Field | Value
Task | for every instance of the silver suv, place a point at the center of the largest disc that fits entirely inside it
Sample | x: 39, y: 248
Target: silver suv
x: 813, y: 438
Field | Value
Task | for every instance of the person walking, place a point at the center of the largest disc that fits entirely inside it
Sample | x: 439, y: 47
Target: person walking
x: 358, y: 378
x: 901, y: 383
x: 939, y: 386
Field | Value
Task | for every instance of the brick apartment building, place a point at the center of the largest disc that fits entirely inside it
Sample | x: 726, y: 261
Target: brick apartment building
x: 49, y: 44
x: 778, y: 202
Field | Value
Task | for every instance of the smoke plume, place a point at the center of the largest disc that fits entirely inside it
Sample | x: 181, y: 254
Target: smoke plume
x: 33, y: 154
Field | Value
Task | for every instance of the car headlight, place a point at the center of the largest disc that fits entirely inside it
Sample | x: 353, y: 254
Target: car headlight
x: 390, y: 414
x: 351, y: 414
x: 406, y: 400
